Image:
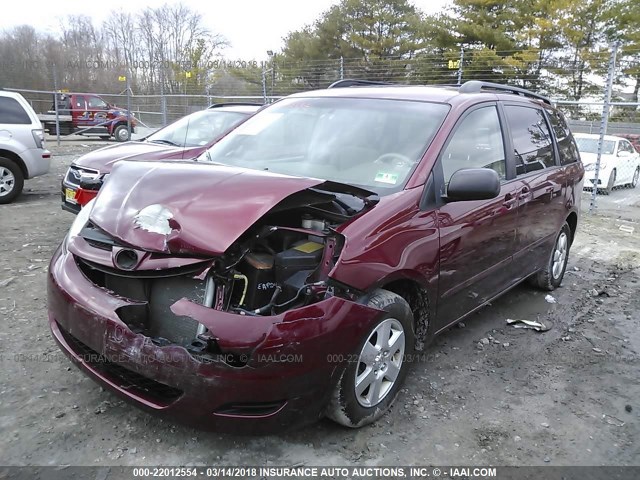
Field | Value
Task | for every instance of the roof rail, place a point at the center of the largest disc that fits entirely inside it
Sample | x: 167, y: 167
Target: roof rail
x: 475, y: 86
x: 349, y: 82
x: 235, y: 104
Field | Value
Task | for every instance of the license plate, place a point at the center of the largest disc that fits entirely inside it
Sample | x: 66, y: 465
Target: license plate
x: 70, y: 195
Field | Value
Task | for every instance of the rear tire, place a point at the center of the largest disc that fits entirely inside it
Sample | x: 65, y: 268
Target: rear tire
x: 370, y: 382
x: 11, y: 180
x: 551, y: 277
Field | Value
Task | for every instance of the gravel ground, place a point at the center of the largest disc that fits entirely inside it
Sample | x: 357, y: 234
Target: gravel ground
x: 486, y: 393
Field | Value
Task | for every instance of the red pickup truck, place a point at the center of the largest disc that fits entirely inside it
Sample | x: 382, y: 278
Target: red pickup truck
x: 88, y: 114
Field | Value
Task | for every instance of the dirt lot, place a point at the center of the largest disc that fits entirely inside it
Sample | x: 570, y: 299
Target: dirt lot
x: 484, y: 394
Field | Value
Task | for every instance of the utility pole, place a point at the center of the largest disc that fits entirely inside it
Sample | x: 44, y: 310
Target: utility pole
x: 460, y: 65
x: 264, y: 84
x: 604, y: 122
x: 55, y: 103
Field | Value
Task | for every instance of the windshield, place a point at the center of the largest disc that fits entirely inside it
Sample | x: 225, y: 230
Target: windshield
x: 371, y: 143
x: 197, y: 129
x: 590, y: 145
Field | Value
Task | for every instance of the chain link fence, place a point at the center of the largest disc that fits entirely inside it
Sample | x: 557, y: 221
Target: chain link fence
x: 597, y: 91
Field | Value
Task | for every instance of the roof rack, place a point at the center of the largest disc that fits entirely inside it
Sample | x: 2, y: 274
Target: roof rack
x: 350, y: 82
x: 235, y: 104
x: 476, y: 86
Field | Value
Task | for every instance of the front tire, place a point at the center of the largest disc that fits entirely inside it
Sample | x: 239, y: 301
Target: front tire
x: 11, y: 180
x: 610, y: 184
x: 370, y: 382
x: 121, y: 133
x: 634, y: 180
x: 551, y: 277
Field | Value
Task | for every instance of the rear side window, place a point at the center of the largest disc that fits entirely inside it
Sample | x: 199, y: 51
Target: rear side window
x: 95, y: 102
x: 532, y: 144
x: 80, y: 102
x: 625, y: 147
x: 566, y: 144
x: 11, y: 112
x: 476, y: 143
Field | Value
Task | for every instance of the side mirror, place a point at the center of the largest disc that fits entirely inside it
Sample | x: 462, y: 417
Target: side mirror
x: 473, y: 184
x: 624, y: 154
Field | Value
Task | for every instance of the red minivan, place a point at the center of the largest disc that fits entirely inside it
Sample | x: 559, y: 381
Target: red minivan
x: 292, y: 271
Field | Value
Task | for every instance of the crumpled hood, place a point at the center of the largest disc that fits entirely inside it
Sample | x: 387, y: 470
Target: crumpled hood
x: 187, y: 208
x: 104, y: 158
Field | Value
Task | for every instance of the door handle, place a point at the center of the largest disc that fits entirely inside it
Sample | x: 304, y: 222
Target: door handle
x: 509, y: 201
x: 524, y: 193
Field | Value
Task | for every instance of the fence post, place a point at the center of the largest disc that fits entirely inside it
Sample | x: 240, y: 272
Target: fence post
x: 341, y: 68
x: 264, y: 84
x: 604, y: 121
x: 163, y: 99
x: 55, y: 103
x: 128, y: 103
x: 460, y: 65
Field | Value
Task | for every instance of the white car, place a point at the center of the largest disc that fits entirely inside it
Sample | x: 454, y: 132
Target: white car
x: 619, y: 164
x: 22, y: 149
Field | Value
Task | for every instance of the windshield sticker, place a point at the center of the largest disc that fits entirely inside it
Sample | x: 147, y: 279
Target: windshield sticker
x: 255, y: 125
x: 384, y: 177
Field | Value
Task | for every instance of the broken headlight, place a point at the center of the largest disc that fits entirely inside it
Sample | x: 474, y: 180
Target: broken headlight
x: 81, y: 220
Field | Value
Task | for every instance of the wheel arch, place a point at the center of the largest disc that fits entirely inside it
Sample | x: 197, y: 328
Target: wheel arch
x: 572, y: 220
x: 416, y: 295
x: 16, y: 158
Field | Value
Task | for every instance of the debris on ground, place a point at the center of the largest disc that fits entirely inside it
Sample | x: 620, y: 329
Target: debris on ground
x: 613, y: 420
x: 550, y: 299
x: 530, y: 324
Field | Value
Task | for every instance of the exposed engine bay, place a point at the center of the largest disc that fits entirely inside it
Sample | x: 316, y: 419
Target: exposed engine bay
x: 282, y: 262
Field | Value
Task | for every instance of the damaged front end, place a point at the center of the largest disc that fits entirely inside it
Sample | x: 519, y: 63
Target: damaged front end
x: 266, y: 303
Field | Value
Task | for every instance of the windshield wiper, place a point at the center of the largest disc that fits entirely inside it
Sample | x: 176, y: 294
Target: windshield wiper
x: 166, y: 142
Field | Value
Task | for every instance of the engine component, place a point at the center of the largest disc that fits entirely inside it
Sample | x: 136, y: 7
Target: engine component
x: 164, y: 293
x: 245, y: 282
x: 304, y: 255
x: 311, y: 223
x: 293, y: 285
x: 259, y: 272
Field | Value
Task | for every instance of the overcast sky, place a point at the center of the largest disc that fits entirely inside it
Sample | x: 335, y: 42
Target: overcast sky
x: 251, y: 26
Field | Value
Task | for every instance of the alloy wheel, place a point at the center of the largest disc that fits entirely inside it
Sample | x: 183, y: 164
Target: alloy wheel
x: 559, y: 255
x: 379, y: 362
x: 7, y: 181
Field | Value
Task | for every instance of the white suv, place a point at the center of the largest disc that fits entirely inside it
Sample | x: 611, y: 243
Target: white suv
x: 22, y: 150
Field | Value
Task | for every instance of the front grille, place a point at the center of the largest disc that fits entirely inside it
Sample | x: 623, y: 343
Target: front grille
x: 141, y: 386
x: 187, y: 270
x: 74, y: 173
